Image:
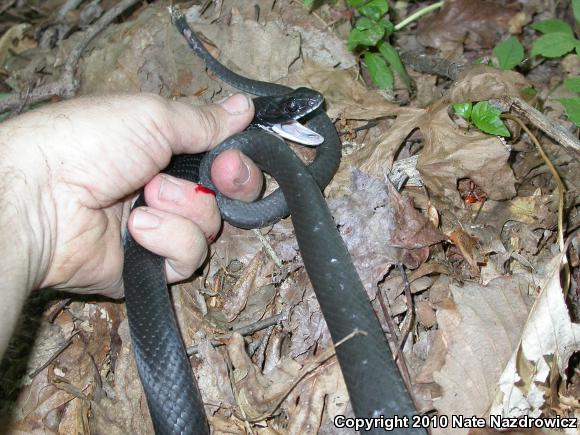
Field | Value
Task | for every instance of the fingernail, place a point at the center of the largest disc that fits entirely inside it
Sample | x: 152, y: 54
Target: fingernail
x: 243, y: 173
x: 143, y: 220
x: 236, y: 104
x: 170, y: 190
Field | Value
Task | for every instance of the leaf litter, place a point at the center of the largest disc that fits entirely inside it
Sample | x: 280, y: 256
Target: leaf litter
x: 491, y: 330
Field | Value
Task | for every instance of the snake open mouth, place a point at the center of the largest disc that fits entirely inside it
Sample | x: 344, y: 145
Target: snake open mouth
x: 296, y: 132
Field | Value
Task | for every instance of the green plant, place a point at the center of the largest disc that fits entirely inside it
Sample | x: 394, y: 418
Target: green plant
x: 370, y: 37
x: 484, y: 116
x: 557, y: 39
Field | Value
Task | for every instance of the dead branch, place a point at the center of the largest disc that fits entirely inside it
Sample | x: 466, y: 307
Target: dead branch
x: 246, y: 330
x: 67, y: 85
x: 550, y: 127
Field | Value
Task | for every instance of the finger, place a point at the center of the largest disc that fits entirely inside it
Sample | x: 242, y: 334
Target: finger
x: 198, y: 129
x: 236, y: 176
x: 186, y: 199
x: 174, y: 237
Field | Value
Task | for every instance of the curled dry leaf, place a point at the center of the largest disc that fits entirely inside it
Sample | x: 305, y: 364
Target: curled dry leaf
x: 468, y: 247
x: 259, y: 395
x: 251, y: 278
x: 548, y: 340
x: 212, y: 374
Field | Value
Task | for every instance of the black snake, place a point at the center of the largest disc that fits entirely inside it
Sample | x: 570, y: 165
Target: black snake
x: 373, y: 381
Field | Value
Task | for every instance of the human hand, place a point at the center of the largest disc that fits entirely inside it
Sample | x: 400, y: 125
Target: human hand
x: 72, y: 170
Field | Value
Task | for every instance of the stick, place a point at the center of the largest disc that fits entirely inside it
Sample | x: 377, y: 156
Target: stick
x: 67, y: 85
x: 550, y: 127
x: 245, y: 330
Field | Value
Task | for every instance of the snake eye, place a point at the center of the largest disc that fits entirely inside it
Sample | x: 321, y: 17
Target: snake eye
x: 291, y: 106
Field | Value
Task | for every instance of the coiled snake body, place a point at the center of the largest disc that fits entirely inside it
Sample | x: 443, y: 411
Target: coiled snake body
x: 372, y: 379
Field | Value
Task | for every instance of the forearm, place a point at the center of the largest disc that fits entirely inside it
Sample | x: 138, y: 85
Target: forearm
x: 21, y: 241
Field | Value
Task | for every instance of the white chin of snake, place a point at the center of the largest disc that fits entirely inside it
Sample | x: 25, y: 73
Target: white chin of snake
x: 296, y: 132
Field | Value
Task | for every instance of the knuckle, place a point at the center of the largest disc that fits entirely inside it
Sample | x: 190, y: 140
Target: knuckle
x: 209, y: 126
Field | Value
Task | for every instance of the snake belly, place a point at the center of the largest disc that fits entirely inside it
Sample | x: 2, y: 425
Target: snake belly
x: 372, y: 379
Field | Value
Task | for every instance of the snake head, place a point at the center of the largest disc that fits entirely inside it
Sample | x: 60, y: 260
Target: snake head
x: 280, y: 114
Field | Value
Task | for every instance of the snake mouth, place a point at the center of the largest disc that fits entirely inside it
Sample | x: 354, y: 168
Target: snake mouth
x: 296, y: 132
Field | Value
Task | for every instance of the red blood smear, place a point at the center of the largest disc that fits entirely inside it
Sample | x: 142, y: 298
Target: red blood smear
x: 203, y: 189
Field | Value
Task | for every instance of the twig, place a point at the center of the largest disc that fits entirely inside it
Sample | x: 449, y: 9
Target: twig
x: 68, y: 6
x: 553, y: 170
x: 309, y: 368
x: 539, y: 120
x: 56, y: 309
x: 54, y: 356
x: 245, y: 330
x: 388, y: 318
x: 67, y: 85
x: 401, y: 362
x: 268, y: 248
x: 418, y: 14
x: 409, y: 316
x: 7, y: 6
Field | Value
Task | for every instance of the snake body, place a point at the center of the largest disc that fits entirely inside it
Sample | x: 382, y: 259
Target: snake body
x: 373, y: 382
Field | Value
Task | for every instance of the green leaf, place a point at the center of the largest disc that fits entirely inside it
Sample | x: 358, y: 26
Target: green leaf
x: 308, y: 4
x: 365, y: 37
x: 388, y: 26
x: 572, y: 84
x: 572, y: 106
x: 365, y: 23
x: 463, y: 110
x: 486, y: 118
x: 553, y: 45
x: 529, y: 91
x: 576, y: 9
x: 553, y: 26
x: 379, y: 71
x: 509, y: 53
x: 374, y: 9
x: 356, y: 3
x: 392, y: 57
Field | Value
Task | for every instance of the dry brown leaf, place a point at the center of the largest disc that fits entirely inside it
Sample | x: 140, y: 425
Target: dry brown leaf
x: 322, y: 391
x: 212, y: 378
x: 376, y: 158
x: 345, y: 96
x: 273, y: 49
x: 482, y: 82
x: 468, y: 247
x: 451, y: 154
x: 251, y: 279
x: 466, y: 23
x: 481, y: 329
x: 548, y: 340
x: 123, y: 409
x: 259, y: 395
x: 380, y: 227
x: 14, y: 40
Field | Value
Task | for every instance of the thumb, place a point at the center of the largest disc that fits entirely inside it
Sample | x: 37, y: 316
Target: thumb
x: 198, y: 129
